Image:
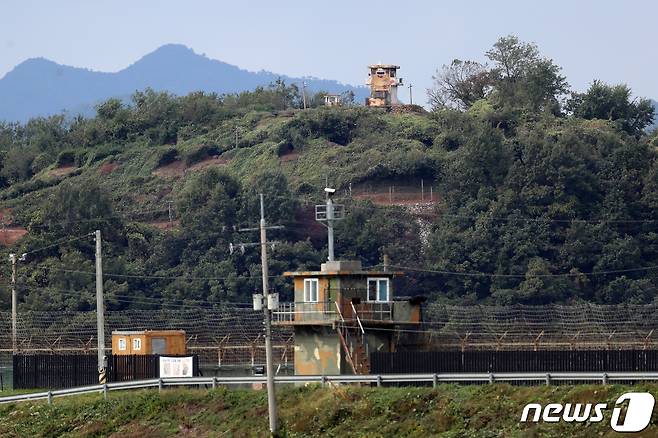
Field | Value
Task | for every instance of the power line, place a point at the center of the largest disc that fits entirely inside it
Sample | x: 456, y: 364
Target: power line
x: 98, y: 219
x: 486, y: 274
x: 59, y: 242
x: 156, y: 277
x: 135, y: 299
x: 522, y: 219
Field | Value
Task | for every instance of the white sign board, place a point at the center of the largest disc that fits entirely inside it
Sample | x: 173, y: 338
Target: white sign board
x: 176, y: 366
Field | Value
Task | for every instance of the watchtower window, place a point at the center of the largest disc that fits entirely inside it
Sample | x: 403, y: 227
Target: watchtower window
x: 391, y: 73
x: 378, y: 290
x: 380, y: 73
x: 311, y: 290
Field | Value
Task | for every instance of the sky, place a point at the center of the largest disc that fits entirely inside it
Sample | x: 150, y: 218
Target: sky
x: 611, y: 41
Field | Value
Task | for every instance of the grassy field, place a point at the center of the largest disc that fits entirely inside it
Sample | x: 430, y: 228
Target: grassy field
x: 447, y: 411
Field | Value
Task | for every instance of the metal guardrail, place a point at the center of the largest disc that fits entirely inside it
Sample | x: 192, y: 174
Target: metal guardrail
x: 378, y: 379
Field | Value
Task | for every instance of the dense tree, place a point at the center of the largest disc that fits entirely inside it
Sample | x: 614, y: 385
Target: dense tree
x: 613, y: 103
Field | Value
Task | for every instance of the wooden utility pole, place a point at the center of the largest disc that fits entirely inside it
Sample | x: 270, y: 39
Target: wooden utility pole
x: 100, y: 311
x: 411, y: 100
x: 268, y: 304
x: 304, y: 93
x: 271, y: 395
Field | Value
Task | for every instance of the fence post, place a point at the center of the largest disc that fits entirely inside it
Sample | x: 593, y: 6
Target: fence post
x: 160, y: 385
x: 379, y: 381
x: 50, y: 398
x: 605, y: 378
x: 214, y: 382
x: 105, y: 391
x: 548, y: 379
x: 491, y: 378
x: 435, y: 380
x: 323, y: 381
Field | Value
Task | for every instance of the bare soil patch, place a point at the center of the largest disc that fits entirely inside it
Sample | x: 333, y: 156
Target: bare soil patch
x: 178, y: 168
x: 108, y: 168
x: 11, y: 235
x: 289, y: 156
x: 63, y: 171
x: 165, y: 225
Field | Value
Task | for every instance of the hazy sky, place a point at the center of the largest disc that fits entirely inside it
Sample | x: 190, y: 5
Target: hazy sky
x: 612, y: 41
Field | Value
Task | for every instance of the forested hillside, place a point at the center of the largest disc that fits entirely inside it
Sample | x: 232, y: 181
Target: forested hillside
x: 544, y: 195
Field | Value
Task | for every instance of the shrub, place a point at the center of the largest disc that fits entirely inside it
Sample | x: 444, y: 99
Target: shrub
x: 201, y: 153
x: 167, y: 157
x: 42, y: 161
x: 66, y: 158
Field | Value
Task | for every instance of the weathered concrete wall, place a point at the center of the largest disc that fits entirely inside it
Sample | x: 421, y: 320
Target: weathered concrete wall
x: 405, y: 311
x: 317, y: 351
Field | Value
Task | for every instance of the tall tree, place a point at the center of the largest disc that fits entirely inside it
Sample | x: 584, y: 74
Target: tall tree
x: 523, y: 78
x: 613, y: 103
x: 459, y: 85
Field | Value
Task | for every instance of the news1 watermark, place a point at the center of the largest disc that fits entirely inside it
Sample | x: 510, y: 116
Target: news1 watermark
x: 638, y: 412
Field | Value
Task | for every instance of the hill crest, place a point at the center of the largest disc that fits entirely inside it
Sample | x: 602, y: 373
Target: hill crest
x: 41, y: 87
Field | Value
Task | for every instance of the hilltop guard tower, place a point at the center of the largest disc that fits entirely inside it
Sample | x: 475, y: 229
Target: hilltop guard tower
x: 343, y: 312
x: 383, y: 82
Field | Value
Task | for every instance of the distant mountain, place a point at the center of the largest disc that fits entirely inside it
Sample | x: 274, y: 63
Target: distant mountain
x: 39, y: 87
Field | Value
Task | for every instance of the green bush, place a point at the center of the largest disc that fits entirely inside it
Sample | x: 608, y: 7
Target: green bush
x: 66, y: 158
x: 201, y: 153
x: 168, y: 156
x: 42, y: 161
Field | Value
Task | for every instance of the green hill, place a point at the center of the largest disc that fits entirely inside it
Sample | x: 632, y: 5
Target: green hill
x: 533, y: 200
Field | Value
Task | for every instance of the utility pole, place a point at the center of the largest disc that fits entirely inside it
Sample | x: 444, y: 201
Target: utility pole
x: 271, y: 396
x: 304, y: 93
x: 14, y: 303
x: 411, y: 100
x: 100, y: 311
x: 270, y: 302
x: 13, y: 258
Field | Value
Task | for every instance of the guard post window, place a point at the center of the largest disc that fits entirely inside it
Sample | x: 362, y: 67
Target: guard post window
x: 311, y: 290
x: 378, y: 290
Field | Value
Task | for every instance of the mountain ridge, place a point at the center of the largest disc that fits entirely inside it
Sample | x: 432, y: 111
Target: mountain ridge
x: 42, y: 87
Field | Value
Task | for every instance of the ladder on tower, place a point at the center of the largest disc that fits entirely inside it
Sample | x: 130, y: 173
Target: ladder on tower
x: 353, y: 340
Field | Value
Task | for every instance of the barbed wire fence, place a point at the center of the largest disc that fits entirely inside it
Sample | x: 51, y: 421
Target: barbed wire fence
x: 548, y: 327
x: 224, y: 336
x: 232, y: 335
